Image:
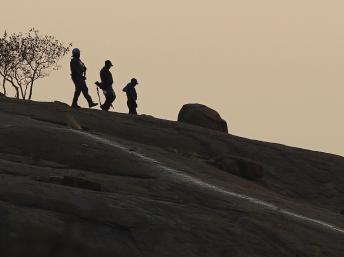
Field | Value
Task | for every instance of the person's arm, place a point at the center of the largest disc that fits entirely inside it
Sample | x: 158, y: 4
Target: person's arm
x: 134, y: 94
x: 83, y: 68
x: 110, y: 78
x: 73, y: 68
x: 102, y: 77
x: 129, y: 90
x: 105, y: 76
x: 76, y: 68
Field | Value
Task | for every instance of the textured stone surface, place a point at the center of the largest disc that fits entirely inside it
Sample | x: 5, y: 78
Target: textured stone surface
x: 240, y: 166
x: 91, y: 191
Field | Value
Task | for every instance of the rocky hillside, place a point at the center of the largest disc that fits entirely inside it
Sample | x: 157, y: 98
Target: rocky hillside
x: 90, y: 183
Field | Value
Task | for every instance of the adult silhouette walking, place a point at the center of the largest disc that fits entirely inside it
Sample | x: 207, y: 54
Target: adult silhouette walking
x: 131, y: 96
x: 106, y: 85
x: 78, y: 74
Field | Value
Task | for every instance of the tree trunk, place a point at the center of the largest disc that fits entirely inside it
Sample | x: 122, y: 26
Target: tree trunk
x: 15, y: 87
x: 22, y: 92
x: 31, y: 83
x: 17, y: 90
x: 31, y: 86
x: 3, y: 85
x: 25, y: 91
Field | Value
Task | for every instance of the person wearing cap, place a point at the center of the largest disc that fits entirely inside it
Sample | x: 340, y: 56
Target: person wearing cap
x: 131, y: 96
x: 78, y: 74
x: 106, y: 85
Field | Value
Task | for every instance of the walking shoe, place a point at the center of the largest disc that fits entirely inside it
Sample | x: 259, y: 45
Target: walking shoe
x: 76, y: 106
x: 92, y: 104
x: 103, y: 107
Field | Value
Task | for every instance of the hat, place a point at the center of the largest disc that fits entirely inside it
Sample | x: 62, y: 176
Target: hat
x: 134, y: 81
x: 108, y: 63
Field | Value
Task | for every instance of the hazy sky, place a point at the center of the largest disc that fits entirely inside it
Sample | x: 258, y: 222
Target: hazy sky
x: 273, y: 69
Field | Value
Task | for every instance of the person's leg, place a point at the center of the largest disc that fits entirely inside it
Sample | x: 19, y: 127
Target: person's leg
x: 76, y: 94
x: 129, y: 107
x: 134, y: 111
x: 132, y: 108
x: 84, y: 90
x: 106, y: 105
x: 111, y: 99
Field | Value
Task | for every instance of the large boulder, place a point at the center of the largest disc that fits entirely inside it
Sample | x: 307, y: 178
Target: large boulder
x: 203, y: 116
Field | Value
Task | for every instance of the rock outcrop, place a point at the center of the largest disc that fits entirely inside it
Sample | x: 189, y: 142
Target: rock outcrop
x: 80, y: 182
x: 239, y: 166
x: 203, y: 116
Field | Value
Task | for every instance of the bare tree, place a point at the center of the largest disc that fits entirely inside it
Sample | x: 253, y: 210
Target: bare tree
x: 7, y: 60
x: 12, y: 66
x: 28, y: 57
x: 18, y: 71
x: 3, y: 61
x: 41, y: 55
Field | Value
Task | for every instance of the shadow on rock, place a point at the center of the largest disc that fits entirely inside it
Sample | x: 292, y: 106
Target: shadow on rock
x: 239, y: 166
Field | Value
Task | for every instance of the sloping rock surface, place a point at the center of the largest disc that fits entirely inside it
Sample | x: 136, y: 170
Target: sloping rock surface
x: 90, y: 183
x: 203, y: 116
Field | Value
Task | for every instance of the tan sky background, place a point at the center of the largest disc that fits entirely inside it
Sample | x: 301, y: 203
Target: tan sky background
x: 272, y: 68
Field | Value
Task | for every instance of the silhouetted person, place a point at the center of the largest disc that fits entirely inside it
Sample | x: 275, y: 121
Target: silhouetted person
x: 78, y: 73
x: 106, y: 85
x: 131, y: 96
